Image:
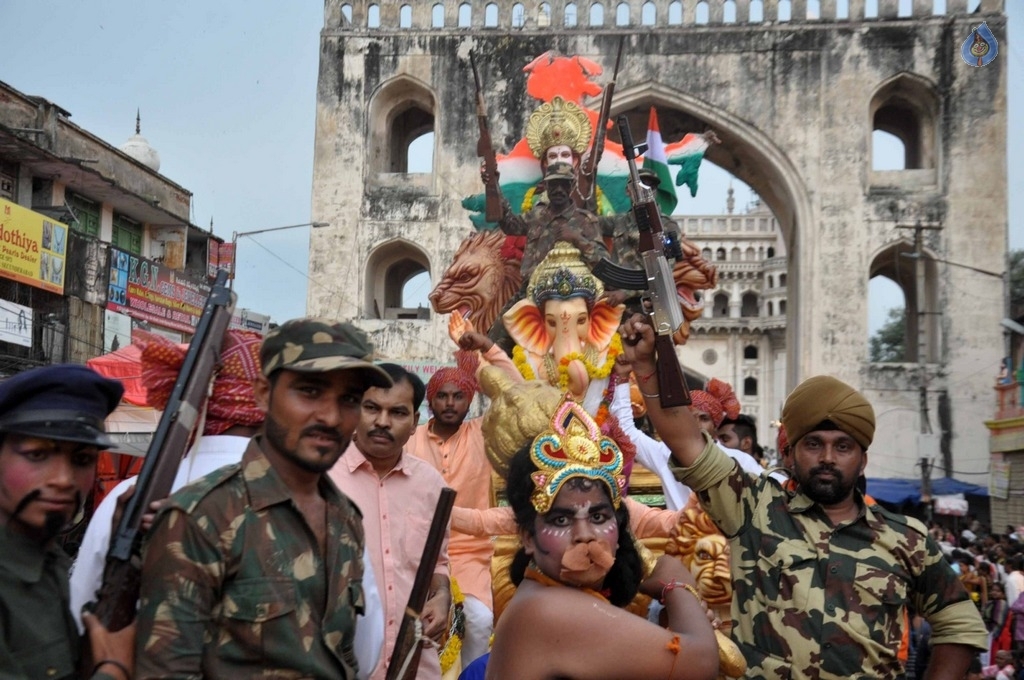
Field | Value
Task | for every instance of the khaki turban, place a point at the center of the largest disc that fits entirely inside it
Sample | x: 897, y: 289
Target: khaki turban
x: 825, y: 398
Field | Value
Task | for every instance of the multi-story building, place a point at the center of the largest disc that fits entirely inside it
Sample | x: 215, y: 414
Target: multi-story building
x: 93, y: 240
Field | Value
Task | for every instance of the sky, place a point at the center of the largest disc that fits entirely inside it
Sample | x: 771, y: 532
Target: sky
x: 227, y: 94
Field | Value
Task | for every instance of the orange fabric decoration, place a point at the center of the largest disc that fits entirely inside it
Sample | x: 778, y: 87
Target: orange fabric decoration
x: 717, y: 400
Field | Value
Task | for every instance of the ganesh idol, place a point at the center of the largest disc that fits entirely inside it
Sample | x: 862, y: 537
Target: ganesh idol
x: 565, y: 333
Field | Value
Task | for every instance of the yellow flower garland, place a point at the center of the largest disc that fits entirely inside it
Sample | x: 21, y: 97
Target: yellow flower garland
x: 452, y: 649
x: 526, y: 370
x: 527, y: 203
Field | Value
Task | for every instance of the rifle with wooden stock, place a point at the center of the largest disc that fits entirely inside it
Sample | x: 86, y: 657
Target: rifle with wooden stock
x: 485, y: 149
x: 406, y: 656
x: 661, y: 298
x: 588, y: 171
x: 117, y: 597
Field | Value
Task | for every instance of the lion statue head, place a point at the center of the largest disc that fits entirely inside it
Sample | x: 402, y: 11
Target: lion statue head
x: 479, y: 281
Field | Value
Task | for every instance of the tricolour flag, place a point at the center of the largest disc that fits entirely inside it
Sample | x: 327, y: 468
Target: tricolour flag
x: 656, y: 161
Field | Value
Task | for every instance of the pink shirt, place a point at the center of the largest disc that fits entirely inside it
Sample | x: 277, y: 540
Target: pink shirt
x: 463, y: 464
x: 397, y: 510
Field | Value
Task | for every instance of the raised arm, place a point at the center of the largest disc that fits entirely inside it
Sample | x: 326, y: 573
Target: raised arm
x: 678, y: 429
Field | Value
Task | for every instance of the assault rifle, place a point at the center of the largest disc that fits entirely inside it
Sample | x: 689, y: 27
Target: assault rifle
x: 661, y: 297
x: 485, y: 149
x: 119, y: 593
x: 406, y: 656
x: 588, y: 177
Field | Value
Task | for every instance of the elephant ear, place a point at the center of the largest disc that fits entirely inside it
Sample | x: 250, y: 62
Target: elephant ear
x: 525, y: 323
x: 604, y: 321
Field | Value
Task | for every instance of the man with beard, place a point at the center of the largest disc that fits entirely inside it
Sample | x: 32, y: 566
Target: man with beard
x: 821, y: 579
x: 256, y: 569
x: 397, y: 494
x: 51, y: 433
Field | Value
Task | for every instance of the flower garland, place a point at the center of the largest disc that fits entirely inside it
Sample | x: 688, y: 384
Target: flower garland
x: 522, y: 363
x: 452, y: 649
x: 603, y: 207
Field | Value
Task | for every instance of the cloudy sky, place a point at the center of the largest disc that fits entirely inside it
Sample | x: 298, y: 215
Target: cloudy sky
x: 227, y: 93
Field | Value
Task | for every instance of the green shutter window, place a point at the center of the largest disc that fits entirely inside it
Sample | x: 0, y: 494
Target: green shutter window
x: 127, y: 235
x: 87, y: 213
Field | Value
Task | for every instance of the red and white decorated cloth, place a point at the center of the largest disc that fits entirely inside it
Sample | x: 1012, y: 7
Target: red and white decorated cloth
x: 232, y: 401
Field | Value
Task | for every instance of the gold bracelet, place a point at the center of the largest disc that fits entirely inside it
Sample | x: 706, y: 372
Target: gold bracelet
x: 650, y: 396
x: 672, y: 585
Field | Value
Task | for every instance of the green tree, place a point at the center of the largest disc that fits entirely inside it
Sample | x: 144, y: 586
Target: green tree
x: 888, y: 344
x: 1016, y: 282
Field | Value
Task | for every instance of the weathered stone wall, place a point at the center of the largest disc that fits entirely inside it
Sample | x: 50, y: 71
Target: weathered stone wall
x: 790, y: 101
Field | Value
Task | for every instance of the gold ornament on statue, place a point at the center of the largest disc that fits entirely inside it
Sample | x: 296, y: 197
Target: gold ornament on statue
x: 555, y: 123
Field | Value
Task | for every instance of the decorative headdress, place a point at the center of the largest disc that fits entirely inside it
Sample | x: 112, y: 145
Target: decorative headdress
x: 563, y: 275
x: 558, y: 122
x: 462, y: 374
x: 574, y: 447
x: 717, y: 400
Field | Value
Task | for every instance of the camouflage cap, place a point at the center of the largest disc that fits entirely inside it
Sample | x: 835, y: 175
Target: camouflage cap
x: 562, y: 171
x: 313, y: 345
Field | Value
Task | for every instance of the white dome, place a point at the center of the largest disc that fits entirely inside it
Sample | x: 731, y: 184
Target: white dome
x: 138, y: 148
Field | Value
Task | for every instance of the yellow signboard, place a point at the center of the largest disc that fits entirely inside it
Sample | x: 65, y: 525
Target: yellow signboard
x: 32, y: 247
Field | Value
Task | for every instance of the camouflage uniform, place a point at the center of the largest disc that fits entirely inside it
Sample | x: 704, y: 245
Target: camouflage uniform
x: 543, y: 227
x: 234, y: 585
x: 814, y: 601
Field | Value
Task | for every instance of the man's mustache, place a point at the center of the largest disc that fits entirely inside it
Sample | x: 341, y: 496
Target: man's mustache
x: 322, y: 431
x: 381, y: 433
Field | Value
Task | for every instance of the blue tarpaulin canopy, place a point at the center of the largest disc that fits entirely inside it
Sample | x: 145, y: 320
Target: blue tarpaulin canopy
x: 899, y: 491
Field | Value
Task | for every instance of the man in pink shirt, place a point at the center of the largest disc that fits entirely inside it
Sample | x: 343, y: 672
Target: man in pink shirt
x: 454, y: 446
x: 397, y: 495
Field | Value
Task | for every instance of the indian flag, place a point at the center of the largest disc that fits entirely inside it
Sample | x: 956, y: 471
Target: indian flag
x: 656, y: 161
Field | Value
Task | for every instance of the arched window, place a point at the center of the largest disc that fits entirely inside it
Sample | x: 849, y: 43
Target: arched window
x: 904, y: 108
x: 544, y: 14
x: 771, y: 281
x: 346, y: 12
x: 491, y: 15
x: 420, y: 154
x: 782, y: 308
x: 706, y: 254
x: 771, y: 309
x: 675, y: 13
x: 465, y: 15
x: 702, y: 13
x: 750, y: 352
x: 622, y: 14
x: 405, y: 16
x: 756, y: 11
x: 901, y: 318
x: 397, y: 274
x: 749, y: 305
x: 782, y: 280
x: 570, y: 14
x: 373, y: 16
x: 518, y: 15
x: 597, y: 14
x: 720, y: 309
x: 785, y: 10
x: 720, y: 254
x: 813, y: 9
x: 734, y: 255
x: 771, y: 252
x: 401, y: 115
x: 648, y: 14
x: 750, y: 387
x: 843, y: 9
x: 729, y: 12
x: 750, y: 254
x: 437, y: 16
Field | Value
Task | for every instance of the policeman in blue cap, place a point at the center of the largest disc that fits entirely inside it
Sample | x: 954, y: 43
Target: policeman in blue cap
x: 51, y: 433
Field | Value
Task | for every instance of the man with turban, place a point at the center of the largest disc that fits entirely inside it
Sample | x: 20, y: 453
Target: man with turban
x: 231, y: 417
x: 454, y: 446
x: 821, y: 578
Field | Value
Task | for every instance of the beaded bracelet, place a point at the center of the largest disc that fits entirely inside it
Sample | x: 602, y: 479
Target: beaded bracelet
x: 672, y: 585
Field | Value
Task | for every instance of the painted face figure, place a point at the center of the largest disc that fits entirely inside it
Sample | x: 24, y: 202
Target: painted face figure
x: 43, y: 482
x: 826, y: 465
x: 575, y: 541
x: 560, y: 153
x: 310, y: 416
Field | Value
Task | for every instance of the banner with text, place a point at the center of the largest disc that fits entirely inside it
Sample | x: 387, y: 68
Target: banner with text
x: 148, y: 291
x: 15, y: 323
x: 32, y: 247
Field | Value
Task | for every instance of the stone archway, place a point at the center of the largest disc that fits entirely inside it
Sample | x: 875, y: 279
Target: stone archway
x: 752, y: 156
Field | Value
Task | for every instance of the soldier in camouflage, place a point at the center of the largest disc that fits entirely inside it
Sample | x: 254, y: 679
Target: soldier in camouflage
x: 256, y: 569
x: 821, y: 580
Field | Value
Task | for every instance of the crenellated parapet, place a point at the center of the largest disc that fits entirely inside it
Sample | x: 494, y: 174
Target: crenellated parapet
x: 591, y: 15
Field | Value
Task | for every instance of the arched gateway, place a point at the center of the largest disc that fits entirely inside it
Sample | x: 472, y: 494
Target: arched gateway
x: 794, y: 90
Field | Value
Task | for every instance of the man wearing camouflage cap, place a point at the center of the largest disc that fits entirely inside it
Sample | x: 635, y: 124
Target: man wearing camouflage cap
x: 256, y: 569
x: 821, y: 579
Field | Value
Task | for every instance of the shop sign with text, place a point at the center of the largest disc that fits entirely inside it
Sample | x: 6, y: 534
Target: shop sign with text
x: 148, y: 291
x: 32, y: 247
